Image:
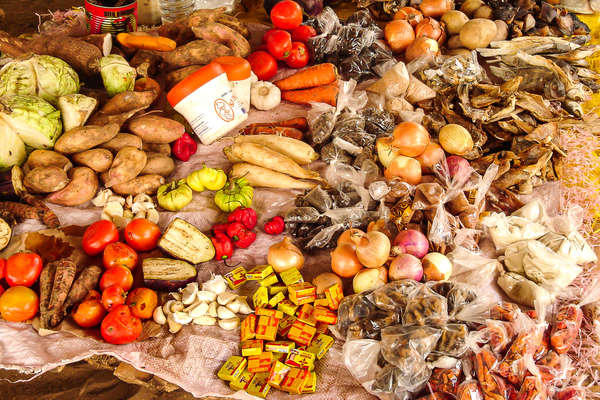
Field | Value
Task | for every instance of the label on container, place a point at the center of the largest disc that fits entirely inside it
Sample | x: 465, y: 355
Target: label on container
x: 212, y: 109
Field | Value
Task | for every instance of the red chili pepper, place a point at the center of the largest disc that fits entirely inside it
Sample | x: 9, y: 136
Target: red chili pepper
x: 184, y: 147
x: 241, y: 236
x: 223, y: 246
x: 220, y: 228
x: 246, y: 216
x: 275, y: 225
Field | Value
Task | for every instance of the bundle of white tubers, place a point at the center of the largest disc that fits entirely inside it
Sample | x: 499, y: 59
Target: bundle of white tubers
x: 121, y: 210
x: 213, y: 304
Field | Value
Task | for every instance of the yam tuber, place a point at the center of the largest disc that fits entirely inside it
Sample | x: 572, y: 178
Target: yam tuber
x: 193, y: 53
x: 86, y: 281
x: 46, y: 280
x: 219, y: 33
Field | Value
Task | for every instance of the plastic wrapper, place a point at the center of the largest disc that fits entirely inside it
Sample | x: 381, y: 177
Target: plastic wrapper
x: 453, y: 340
x: 370, y: 328
x: 378, y: 122
x: 507, y: 230
x: 424, y: 308
x: 573, y: 246
x: 522, y: 290
x: 395, y: 295
x: 500, y: 335
x: 513, y: 366
x: 566, y: 327
x: 472, y: 268
x: 445, y: 380
x: 469, y: 390
x: 492, y: 385
x: 326, y: 21
x: 360, y: 357
x: 571, y: 393
x: 352, y: 309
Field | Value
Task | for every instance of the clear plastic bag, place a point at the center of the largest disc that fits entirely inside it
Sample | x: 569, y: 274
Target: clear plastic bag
x: 565, y: 327
x: 352, y: 309
x: 513, y: 366
x: 445, y: 380
x: 493, y: 386
x: 425, y: 307
x: 500, y: 335
x: 507, y: 230
x: 472, y: 268
x: 395, y: 295
x: 453, y: 340
x: 522, y: 290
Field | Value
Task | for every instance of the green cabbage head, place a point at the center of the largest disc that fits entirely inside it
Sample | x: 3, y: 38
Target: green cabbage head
x: 45, y: 76
x: 117, y: 75
x: 12, y: 148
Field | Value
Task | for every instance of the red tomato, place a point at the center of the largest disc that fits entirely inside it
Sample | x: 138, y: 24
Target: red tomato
x: 299, y: 56
x: 23, y: 269
x: 303, y: 33
x: 267, y: 34
x: 119, y: 254
x: 18, y: 304
x: 98, y: 235
x: 263, y: 65
x: 142, y: 302
x: 113, y: 296
x: 89, y: 313
x: 2, y: 267
x: 142, y: 234
x: 119, y: 276
x: 286, y: 14
x: 120, y: 327
x: 279, y: 44
x: 93, y: 295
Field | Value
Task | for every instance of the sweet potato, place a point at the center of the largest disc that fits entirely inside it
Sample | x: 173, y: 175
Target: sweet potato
x: 122, y: 140
x: 193, y: 53
x: 179, y: 31
x: 45, y: 179
x: 156, y: 129
x: 158, y: 164
x: 81, y: 189
x: 157, y: 148
x: 85, y: 137
x: 142, y: 184
x: 203, y: 16
x: 46, y: 158
x: 145, y: 63
x: 121, y: 107
x: 82, y: 56
x: 219, y: 33
x: 46, y: 281
x: 63, y: 280
x: 103, y: 41
x: 127, y: 164
x: 99, y: 160
x: 174, y: 77
x: 86, y: 281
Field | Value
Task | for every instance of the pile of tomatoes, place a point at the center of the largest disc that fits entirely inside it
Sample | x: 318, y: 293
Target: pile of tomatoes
x: 286, y: 42
x: 117, y: 310
x: 20, y: 271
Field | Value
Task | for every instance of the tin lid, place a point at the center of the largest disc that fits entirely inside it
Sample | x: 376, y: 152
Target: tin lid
x: 237, y: 68
x: 193, y: 82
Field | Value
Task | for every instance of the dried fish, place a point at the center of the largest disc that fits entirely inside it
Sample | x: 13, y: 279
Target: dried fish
x: 529, y: 45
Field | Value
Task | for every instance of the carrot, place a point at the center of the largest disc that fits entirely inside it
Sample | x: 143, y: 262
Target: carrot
x: 158, y: 43
x: 317, y: 75
x: 86, y: 281
x: 299, y: 123
x: 63, y: 279
x: 46, y: 279
x: 274, y: 130
x: 321, y: 94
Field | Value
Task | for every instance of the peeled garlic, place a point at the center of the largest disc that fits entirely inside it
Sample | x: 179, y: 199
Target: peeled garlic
x: 216, y: 284
x: 212, y: 309
x: 226, y: 298
x: 142, y: 198
x: 152, y: 215
x: 175, y: 295
x: 205, y: 295
x: 225, y: 313
x: 114, y: 209
x: 230, y: 323
x: 159, y: 316
x: 234, y: 306
x: 182, y: 318
x: 139, y: 215
x: 129, y: 201
x: 198, y: 311
x: 102, y: 197
x: 188, y: 294
x: 244, y: 307
x: 167, y: 306
x: 177, y: 306
x: 205, y: 320
x: 116, y: 199
x: 174, y: 326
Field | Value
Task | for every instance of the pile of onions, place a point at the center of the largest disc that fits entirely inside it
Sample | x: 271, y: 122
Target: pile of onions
x: 436, y: 8
x: 369, y: 279
x: 326, y: 280
x: 344, y: 261
x: 284, y: 255
x: 421, y: 47
x: 372, y: 248
x: 410, y: 138
x: 406, y: 168
x: 406, y: 266
x: 430, y: 28
x: 346, y: 237
x: 410, y: 14
x: 436, y: 267
x: 432, y: 155
x: 411, y: 241
x: 399, y: 34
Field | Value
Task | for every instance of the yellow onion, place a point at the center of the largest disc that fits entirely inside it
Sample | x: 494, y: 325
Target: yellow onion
x: 432, y: 155
x: 399, y: 34
x: 344, y: 261
x: 410, y: 138
x: 372, y: 248
x: 326, y: 280
x: 346, y: 237
x: 455, y: 139
x: 284, y: 255
x: 406, y: 168
x: 421, y: 47
x: 436, y: 8
x: 436, y: 267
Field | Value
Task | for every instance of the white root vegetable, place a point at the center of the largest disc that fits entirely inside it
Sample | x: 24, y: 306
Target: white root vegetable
x: 297, y: 150
x: 226, y: 298
x: 205, y: 320
x: 225, y: 313
x: 264, y: 177
x: 229, y: 324
x: 264, y: 95
x: 206, y: 296
x: 159, y: 316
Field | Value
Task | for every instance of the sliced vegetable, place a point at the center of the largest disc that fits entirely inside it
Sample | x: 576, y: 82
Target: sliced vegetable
x: 167, y: 274
x: 75, y: 109
x: 183, y: 240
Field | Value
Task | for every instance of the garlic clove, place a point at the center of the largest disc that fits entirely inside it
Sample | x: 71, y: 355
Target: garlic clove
x: 177, y: 307
x: 205, y: 320
x: 244, y: 307
x: 229, y: 324
x: 198, y: 311
x: 114, y: 209
x: 212, y: 309
x: 181, y: 318
x: 216, y: 284
x: 205, y: 295
x: 117, y: 199
x: 152, y: 215
x: 226, y: 298
x: 142, y: 198
x: 129, y: 201
x: 234, y: 306
x: 159, y: 316
x: 167, y: 306
x: 174, y: 326
x: 175, y: 295
x: 102, y: 198
x: 188, y: 294
x: 225, y: 313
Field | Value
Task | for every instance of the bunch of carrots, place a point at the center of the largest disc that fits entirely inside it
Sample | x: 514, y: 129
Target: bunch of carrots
x: 316, y: 84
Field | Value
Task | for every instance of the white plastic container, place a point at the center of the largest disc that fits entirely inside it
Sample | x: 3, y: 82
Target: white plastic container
x: 239, y: 74
x: 206, y: 100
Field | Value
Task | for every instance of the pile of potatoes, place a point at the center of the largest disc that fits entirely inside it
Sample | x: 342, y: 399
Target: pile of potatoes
x: 128, y: 163
x: 471, y: 27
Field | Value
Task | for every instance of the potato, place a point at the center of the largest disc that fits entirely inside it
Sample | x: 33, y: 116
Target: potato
x: 483, y: 12
x: 99, y: 160
x: 46, y: 158
x: 158, y: 164
x: 85, y: 137
x: 454, y: 21
x: 156, y: 129
x: 46, y: 179
x: 81, y: 189
x: 470, y: 6
x: 127, y: 164
x: 477, y: 33
x: 122, y: 140
x: 157, y: 148
x: 142, y: 184
x: 501, y: 30
x: 454, y: 42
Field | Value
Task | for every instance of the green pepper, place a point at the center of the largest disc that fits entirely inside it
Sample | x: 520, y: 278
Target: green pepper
x: 174, y: 196
x: 239, y: 193
x: 209, y: 178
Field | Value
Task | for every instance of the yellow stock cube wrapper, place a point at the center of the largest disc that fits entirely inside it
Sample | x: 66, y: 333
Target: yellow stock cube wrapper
x: 232, y: 368
x: 259, y: 385
x: 291, y: 276
x: 285, y: 324
x: 259, y: 272
x: 241, y: 382
x: 310, y: 386
x: 252, y: 347
x: 320, y: 345
x: 321, y: 301
x: 269, y: 312
x: 260, y: 298
x: 248, y: 328
x: 301, y: 293
x: 266, y: 328
x: 295, y: 380
x: 334, y: 295
x: 287, y: 307
x: 269, y: 280
x: 276, y: 299
x: 301, y: 333
x: 278, y: 372
x: 306, y: 315
x: 325, y: 315
x: 236, y: 278
x: 279, y: 357
x: 301, y: 359
x: 274, y: 289
x: 261, y: 362
x: 280, y: 346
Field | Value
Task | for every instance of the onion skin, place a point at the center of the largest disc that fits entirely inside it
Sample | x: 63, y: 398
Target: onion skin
x: 344, y: 261
x: 346, y: 237
x: 411, y: 241
x: 410, y: 138
x: 455, y: 164
x: 369, y: 279
x: 436, y: 267
x: 385, y: 151
x: 284, y: 255
x: 432, y: 155
x: 326, y: 280
x: 430, y: 28
x: 436, y: 8
x: 410, y: 14
x: 372, y: 248
x: 406, y: 168
x: 421, y: 47
x: 405, y: 266
x: 399, y: 34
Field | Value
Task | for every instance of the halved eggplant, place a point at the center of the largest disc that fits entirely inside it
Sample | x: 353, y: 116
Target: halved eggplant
x: 167, y: 274
x: 184, y: 241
